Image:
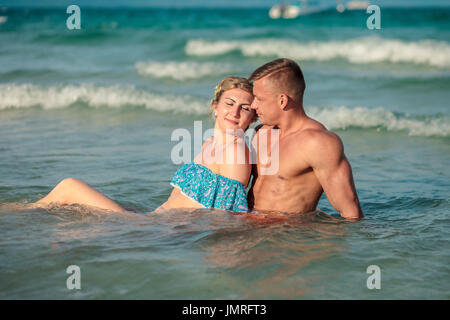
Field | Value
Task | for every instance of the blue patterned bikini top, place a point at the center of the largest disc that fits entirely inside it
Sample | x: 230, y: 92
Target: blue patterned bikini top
x: 209, y: 189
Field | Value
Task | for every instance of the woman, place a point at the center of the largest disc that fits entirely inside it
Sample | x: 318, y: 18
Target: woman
x: 219, y: 174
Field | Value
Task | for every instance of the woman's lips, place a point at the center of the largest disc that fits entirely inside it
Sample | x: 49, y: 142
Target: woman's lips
x: 233, y: 122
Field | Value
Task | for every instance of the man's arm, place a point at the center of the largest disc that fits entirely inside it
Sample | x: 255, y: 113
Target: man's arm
x: 325, y: 153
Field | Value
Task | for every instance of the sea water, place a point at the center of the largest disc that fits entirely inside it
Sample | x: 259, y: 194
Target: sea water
x: 101, y: 103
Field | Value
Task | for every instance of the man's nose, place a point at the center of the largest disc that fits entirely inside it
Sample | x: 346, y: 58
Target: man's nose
x: 253, y: 105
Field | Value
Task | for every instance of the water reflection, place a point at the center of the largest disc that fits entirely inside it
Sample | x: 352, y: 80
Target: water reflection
x: 270, y: 253
x: 256, y: 256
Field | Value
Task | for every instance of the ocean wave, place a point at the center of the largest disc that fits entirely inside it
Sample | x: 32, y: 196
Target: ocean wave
x: 182, y: 70
x: 357, y: 51
x: 333, y: 117
x: 362, y: 117
x: 62, y: 96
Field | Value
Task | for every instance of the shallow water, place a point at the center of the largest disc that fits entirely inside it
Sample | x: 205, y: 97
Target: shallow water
x: 212, y: 255
x: 73, y: 104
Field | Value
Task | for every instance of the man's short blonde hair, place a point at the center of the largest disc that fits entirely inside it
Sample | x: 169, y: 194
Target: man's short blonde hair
x: 285, y: 74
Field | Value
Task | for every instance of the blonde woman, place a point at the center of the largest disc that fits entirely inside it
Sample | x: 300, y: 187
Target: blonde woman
x: 212, y: 180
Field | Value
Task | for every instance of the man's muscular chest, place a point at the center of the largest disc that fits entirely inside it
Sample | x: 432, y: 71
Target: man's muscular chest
x: 281, y: 158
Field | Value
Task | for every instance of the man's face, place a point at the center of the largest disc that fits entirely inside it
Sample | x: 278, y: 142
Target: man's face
x: 265, y: 101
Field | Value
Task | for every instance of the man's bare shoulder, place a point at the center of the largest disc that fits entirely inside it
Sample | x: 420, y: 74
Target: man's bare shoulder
x: 262, y: 127
x: 316, y: 140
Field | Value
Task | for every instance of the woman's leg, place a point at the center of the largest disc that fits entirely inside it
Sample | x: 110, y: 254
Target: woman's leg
x: 71, y: 190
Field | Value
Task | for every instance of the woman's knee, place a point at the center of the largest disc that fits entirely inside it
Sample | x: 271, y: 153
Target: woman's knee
x: 67, y: 187
x: 61, y: 191
x: 70, y: 182
x: 66, y: 190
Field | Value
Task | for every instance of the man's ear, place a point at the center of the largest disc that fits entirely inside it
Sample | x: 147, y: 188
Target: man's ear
x: 283, y: 101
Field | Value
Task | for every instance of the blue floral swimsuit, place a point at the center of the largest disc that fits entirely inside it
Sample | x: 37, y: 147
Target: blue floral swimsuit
x: 209, y: 189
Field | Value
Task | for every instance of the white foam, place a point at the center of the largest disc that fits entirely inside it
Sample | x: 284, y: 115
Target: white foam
x: 60, y: 96
x: 333, y: 117
x: 212, y: 48
x: 3, y: 19
x: 358, y: 51
x: 363, y: 117
x: 182, y: 70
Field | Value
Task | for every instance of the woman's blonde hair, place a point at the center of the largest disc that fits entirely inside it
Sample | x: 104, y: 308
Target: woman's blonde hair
x: 231, y: 83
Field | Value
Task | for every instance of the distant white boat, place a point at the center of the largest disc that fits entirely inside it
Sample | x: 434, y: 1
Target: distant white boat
x: 299, y: 8
x: 3, y: 19
x: 357, y: 5
x: 285, y: 11
x: 352, y: 5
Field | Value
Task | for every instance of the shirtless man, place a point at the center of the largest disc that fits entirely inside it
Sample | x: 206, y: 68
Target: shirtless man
x: 311, y: 159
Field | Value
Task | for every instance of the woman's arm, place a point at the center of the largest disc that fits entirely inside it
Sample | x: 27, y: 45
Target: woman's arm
x: 237, y: 164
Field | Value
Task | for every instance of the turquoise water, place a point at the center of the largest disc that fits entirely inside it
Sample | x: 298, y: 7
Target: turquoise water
x: 101, y: 103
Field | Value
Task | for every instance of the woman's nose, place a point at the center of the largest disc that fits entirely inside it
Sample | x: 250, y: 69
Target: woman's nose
x: 236, y: 111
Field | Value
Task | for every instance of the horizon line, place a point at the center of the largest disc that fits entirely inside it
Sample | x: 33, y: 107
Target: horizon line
x: 395, y: 6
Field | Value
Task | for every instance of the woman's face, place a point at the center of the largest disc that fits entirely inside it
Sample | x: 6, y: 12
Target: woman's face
x: 233, y: 110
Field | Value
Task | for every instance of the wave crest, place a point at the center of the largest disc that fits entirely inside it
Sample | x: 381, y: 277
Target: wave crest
x: 60, y: 96
x: 356, y: 51
x: 362, y: 117
x: 182, y: 70
x: 333, y: 117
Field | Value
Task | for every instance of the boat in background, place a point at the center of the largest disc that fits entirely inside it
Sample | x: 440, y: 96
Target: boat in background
x: 296, y: 9
x: 352, y: 5
x: 284, y: 11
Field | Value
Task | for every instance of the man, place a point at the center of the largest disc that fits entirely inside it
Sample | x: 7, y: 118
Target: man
x: 311, y: 159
